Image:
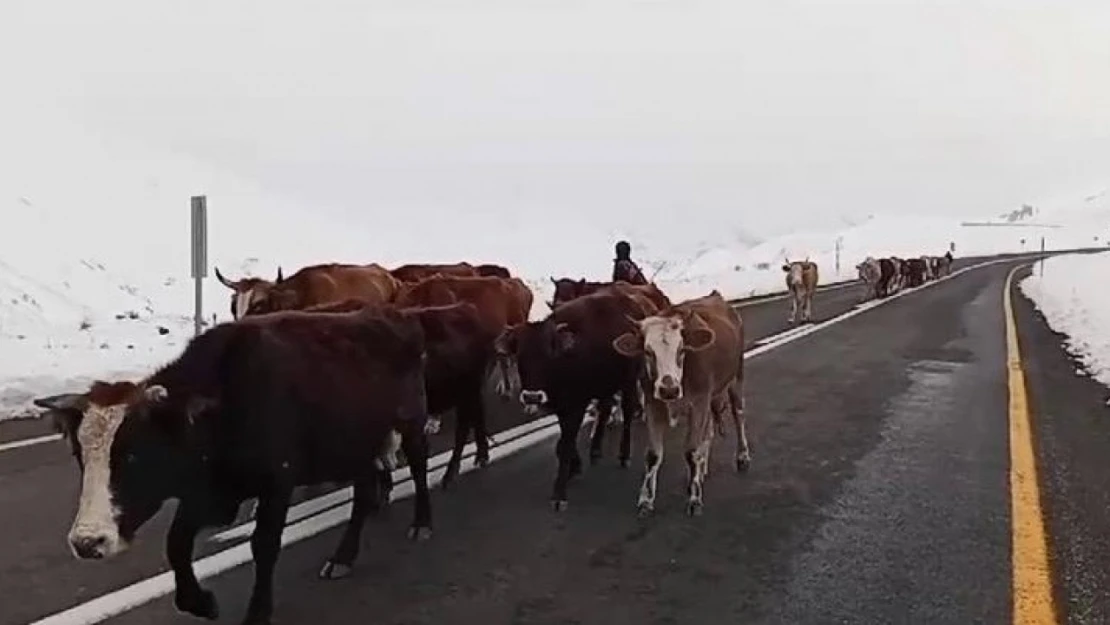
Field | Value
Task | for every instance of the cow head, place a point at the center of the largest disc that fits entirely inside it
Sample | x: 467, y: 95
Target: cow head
x: 130, y: 456
x: 277, y: 296
x: 536, y: 346
x: 793, y: 272
x: 665, y: 340
x: 566, y: 290
x: 244, y: 291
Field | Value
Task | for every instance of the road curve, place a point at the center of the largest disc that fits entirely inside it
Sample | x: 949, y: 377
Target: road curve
x: 878, y: 493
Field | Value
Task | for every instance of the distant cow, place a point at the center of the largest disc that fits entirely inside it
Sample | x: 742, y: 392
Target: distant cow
x: 325, y: 284
x: 243, y: 290
x: 417, y: 272
x: 460, y: 358
x: 870, y: 273
x: 696, y: 366
x: 889, y: 274
x: 250, y: 409
x: 501, y: 303
x: 930, y: 267
x: 944, y: 264
x: 914, y: 271
x: 568, y: 359
x: 801, y: 282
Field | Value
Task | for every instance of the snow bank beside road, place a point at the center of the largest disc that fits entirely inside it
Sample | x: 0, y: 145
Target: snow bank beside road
x: 1075, y: 301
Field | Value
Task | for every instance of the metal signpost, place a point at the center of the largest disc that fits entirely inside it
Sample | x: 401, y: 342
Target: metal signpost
x: 199, y: 253
x: 1040, y: 269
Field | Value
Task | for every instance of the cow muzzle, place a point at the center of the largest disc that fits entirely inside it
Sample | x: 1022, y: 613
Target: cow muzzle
x: 668, y: 389
x: 95, y: 545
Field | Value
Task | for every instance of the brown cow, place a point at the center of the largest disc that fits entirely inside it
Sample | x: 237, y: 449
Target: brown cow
x: 696, y: 364
x: 243, y: 290
x: 567, y: 289
x: 249, y: 409
x: 567, y: 360
x: 801, y: 281
x: 501, y: 303
x: 417, y: 272
x: 323, y: 284
x: 460, y: 358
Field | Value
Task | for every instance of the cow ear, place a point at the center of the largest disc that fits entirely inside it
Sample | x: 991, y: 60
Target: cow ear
x: 66, y: 401
x: 697, y: 339
x: 155, y: 393
x: 785, y: 267
x: 628, y: 344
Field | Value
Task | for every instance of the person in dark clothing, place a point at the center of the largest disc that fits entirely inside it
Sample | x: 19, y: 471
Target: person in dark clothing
x: 624, y: 268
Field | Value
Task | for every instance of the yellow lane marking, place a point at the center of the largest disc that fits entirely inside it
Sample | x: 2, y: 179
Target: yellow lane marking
x: 1032, y: 583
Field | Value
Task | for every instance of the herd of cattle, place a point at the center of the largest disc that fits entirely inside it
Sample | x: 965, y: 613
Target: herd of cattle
x: 326, y: 375
x: 886, y: 276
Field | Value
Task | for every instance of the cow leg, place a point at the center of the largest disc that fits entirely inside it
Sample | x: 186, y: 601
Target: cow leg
x: 809, y: 307
x: 793, y: 307
x: 189, y: 596
x: 504, y: 384
x: 630, y: 405
x: 699, y: 437
x: 743, y: 451
x: 468, y: 418
x: 597, y: 438
x: 566, y: 450
x: 265, y: 547
x: 365, y: 501
x: 658, y: 420
x: 415, y: 445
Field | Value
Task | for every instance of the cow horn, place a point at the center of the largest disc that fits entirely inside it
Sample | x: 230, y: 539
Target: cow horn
x: 64, y: 401
x: 155, y: 393
x: 224, y: 281
x: 279, y: 277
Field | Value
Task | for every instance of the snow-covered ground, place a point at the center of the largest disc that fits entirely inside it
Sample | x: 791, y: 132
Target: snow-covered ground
x: 94, y: 250
x: 1071, y: 295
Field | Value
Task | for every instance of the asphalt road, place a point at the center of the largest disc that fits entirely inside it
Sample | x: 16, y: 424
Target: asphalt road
x: 878, y: 493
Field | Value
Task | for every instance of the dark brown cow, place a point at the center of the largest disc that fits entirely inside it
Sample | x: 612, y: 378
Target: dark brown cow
x: 324, y: 284
x: 696, y: 365
x: 460, y: 358
x: 251, y: 408
x: 567, y: 360
x: 501, y: 303
x: 417, y: 272
x: 243, y: 290
x: 490, y: 270
x: 567, y: 289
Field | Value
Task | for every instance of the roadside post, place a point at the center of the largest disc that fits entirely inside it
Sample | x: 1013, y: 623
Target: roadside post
x: 199, y: 256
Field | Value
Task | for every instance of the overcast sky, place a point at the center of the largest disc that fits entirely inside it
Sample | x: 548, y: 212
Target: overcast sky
x: 765, y: 114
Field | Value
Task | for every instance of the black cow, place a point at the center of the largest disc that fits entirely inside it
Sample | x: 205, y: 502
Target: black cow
x: 250, y: 409
x: 914, y: 271
x: 567, y: 360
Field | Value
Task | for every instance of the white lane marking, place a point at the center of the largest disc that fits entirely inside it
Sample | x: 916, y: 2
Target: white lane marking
x: 27, y: 442
x: 139, y: 593
x: 781, y: 335
x: 755, y: 300
x: 343, y: 495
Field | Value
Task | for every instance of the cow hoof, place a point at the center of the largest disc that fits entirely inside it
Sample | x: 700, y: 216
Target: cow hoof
x: 559, y: 505
x: 624, y: 463
x: 743, y: 463
x: 481, y: 462
x: 595, y: 458
x: 694, y: 508
x: 334, y: 570
x: 644, y: 509
x: 420, y: 534
x: 202, y: 604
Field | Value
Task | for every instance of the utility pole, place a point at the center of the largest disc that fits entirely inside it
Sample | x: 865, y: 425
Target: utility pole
x: 1040, y: 269
x: 839, y: 244
x: 199, y: 254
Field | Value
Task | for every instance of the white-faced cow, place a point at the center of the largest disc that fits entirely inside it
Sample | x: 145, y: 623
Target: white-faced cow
x: 870, y: 273
x: 695, y: 364
x: 244, y: 291
x: 250, y: 409
x: 801, y: 281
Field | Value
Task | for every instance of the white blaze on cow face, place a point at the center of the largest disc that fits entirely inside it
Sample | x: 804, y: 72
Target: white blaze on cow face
x: 95, y: 531
x: 242, y: 302
x: 794, y: 274
x: 666, y: 342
